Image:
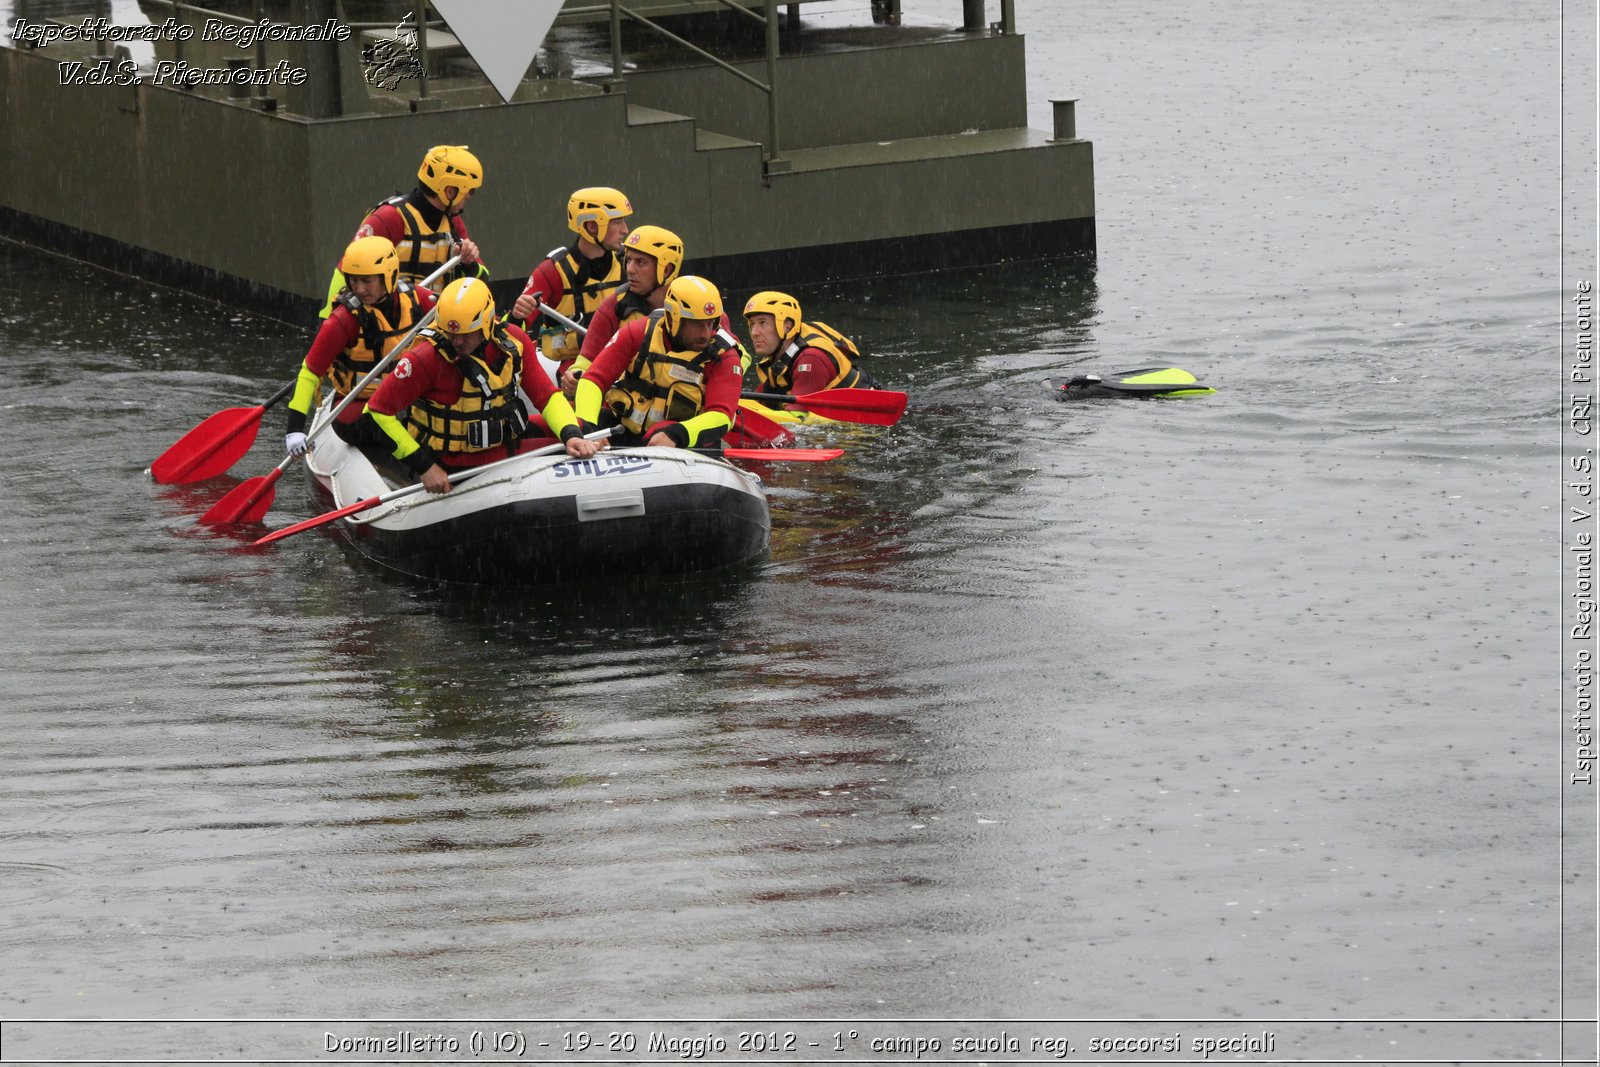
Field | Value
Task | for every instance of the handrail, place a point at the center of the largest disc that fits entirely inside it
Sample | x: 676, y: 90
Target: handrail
x: 669, y: 35
x: 770, y: 86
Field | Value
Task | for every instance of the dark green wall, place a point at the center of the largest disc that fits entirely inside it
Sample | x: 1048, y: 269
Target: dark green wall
x: 919, y: 89
x: 271, y: 198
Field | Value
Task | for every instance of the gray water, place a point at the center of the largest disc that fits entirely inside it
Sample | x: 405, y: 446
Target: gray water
x: 1225, y: 716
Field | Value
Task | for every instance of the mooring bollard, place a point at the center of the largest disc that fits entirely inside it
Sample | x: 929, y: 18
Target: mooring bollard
x: 1066, y: 118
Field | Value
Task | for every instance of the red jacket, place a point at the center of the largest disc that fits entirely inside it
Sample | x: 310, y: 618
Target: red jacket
x: 423, y: 372
x: 385, y: 221
x: 339, y: 331
x: 724, y: 377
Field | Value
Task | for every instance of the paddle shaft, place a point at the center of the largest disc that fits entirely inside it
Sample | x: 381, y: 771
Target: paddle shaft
x: 782, y: 455
x: 583, y: 331
x: 405, y: 491
x: 222, y: 439
x: 399, y: 346
x: 377, y: 369
x: 279, y: 395
x: 252, y: 497
x: 819, y: 397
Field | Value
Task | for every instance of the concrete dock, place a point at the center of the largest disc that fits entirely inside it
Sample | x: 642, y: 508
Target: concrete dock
x: 884, y: 148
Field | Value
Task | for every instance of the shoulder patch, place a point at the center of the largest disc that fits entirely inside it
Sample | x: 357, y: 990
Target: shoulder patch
x: 403, y: 368
x: 364, y: 231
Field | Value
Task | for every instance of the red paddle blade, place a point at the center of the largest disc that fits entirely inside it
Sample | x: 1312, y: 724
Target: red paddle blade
x: 761, y: 429
x: 784, y: 455
x: 210, y: 448
x: 874, y: 407
x: 246, y: 502
x: 320, y: 520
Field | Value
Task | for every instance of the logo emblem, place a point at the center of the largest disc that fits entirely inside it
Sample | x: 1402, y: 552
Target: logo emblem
x: 392, y: 59
x: 452, y: 326
x: 709, y: 308
x: 402, y: 369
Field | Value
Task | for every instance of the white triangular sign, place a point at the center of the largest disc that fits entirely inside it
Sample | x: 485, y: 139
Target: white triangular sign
x: 501, y: 36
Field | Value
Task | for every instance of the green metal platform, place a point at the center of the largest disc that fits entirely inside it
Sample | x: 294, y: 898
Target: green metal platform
x: 902, y: 148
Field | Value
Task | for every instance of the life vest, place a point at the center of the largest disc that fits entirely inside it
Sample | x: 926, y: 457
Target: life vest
x: 425, y: 245
x: 585, y: 284
x: 775, y: 374
x: 661, y: 385
x: 378, y: 336
x: 488, y: 412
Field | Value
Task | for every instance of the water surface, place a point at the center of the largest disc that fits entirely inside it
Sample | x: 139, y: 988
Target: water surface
x: 1236, y: 708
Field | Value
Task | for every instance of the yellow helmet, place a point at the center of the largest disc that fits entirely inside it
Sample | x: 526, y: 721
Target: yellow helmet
x: 447, y: 165
x: 371, y: 255
x: 690, y: 297
x: 465, y: 306
x: 780, y: 306
x: 664, y: 245
x: 598, y: 204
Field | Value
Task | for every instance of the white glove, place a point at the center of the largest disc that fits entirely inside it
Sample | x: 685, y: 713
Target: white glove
x: 296, y: 444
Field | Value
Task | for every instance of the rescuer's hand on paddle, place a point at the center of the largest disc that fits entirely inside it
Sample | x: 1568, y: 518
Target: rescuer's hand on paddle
x: 579, y: 448
x: 296, y: 444
x: 526, y: 308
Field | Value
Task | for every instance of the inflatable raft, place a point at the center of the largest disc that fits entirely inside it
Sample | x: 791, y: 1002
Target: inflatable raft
x: 552, y: 518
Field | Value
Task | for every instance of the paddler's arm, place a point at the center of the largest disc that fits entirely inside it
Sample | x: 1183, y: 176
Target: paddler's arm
x: 305, y: 391
x: 586, y: 400
x: 602, y: 328
x: 396, y: 394
x: 708, y: 426
x: 723, y: 381
x: 470, y: 255
x: 599, y: 375
x: 814, y: 371
x: 570, y: 373
x: 558, y: 415
x: 335, y: 334
x: 335, y: 287
x: 544, y: 286
x: 551, y: 402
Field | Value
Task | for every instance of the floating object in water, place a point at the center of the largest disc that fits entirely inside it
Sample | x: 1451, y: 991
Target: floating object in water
x: 1143, y: 383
